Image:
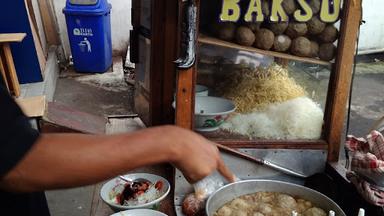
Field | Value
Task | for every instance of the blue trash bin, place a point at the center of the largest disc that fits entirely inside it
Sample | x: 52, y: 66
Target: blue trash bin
x: 89, y: 32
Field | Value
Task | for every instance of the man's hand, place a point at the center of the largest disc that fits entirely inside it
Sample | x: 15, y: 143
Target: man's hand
x: 70, y: 160
x: 196, y: 156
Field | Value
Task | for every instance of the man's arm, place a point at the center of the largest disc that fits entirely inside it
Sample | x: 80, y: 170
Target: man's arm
x: 70, y: 160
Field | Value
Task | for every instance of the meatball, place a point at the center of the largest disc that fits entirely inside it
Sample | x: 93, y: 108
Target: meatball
x: 239, y: 213
x: 282, y: 43
x: 265, y: 196
x: 296, y: 29
x: 278, y: 28
x: 286, y: 201
x: 265, y: 208
x: 289, y: 6
x: 264, y: 39
x: 224, y: 211
x: 327, y: 51
x: 303, y: 205
x: 239, y: 204
x: 315, y: 26
x: 245, y: 36
x: 192, y: 206
x: 226, y: 31
x: 315, y: 6
x: 301, y: 46
x: 329, y: 34
x: 314, y: 49
x: 315, y: 212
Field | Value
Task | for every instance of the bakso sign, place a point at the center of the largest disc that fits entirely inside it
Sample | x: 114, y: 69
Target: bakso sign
x: 231, y: 11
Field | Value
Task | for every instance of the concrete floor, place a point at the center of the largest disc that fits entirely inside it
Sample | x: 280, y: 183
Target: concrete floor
x: 101, y: 95
x: 367, y: 106
x: 97, y: 94
x: 71, y: 202
x: 108, y: 102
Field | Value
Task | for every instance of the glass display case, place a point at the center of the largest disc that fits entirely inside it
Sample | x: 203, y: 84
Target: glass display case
x: 270, y: 85
x: 276, y: 74
x: 257, y: 84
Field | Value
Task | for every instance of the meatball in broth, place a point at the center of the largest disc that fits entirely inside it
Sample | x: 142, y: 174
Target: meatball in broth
x: 269, y: 204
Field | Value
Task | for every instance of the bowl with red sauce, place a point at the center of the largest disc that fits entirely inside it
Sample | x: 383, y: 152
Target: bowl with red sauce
x: 146, y: 193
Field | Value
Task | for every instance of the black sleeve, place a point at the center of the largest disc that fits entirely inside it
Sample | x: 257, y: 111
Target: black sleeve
x: 16, y: 133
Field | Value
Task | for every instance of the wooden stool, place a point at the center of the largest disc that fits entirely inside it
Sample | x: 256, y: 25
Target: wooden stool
x: 7, y: 66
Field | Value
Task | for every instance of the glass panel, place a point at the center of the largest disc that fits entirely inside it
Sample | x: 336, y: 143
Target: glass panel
x: 272, y: 101
x: 145, y: 14
x: 143, y: 67
x: 266, y: 80
x: 142, y: 78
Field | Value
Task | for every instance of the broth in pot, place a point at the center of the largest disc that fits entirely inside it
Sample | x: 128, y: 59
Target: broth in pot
x: 269, y: 204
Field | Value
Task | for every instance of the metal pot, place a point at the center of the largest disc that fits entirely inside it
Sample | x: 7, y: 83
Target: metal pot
x: 234, y: 190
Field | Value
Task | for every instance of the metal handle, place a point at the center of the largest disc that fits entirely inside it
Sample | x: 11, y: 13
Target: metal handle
x: 261, y: 161
x: 189, y: 57
x: 283, y: 169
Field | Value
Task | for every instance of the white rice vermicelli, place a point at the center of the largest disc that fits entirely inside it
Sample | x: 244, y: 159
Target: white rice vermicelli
x: 299, y: 118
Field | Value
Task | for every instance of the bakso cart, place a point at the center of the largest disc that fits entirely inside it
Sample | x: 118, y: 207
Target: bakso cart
x: 273, y: 91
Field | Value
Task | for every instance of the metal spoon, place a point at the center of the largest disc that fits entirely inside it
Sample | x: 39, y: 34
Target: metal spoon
x: 138, y: 180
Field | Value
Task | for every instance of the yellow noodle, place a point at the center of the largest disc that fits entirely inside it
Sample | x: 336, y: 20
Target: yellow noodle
x: 252, y: 90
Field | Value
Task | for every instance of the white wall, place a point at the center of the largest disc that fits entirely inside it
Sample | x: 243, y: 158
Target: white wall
x: 120, y: 22
x: 372, y: 32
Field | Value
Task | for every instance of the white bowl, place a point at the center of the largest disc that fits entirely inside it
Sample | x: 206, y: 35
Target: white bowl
x: 139, y: 212
x: 108, y: 187
x: 201, y: 90
x: 211, y: 112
